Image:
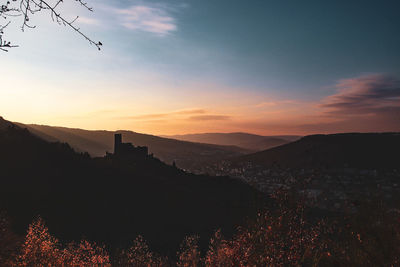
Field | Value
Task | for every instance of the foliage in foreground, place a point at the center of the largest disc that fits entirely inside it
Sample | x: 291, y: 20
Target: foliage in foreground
x: 42, y: 249
x: 282, y: 237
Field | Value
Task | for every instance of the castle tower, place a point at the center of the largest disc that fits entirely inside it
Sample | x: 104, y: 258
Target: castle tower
x: 117, y: 143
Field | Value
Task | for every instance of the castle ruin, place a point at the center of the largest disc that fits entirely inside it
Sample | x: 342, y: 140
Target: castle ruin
x: 127, y: 150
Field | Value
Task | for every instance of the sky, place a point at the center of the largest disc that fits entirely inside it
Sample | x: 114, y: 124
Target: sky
x: 190, y: 66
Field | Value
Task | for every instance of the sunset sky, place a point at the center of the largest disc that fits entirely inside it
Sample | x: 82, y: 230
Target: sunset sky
x: 192, y: 66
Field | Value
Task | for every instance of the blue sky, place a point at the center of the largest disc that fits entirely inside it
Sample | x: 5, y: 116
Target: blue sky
x: 286, y: 45
x: 261, y: 66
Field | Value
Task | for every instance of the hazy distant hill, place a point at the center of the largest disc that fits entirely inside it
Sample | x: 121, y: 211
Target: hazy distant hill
x: 112, y: 201
x: 248, y: 141
x: 185, y: 154
x: 354, y: 150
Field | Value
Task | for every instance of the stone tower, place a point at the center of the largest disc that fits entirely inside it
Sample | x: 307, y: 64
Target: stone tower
x: 117, y: 143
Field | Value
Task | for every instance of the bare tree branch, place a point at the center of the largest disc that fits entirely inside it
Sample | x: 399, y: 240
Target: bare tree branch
x: 28, y: 8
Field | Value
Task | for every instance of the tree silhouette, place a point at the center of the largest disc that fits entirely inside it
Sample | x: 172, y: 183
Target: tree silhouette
x: 9, y: 242
x: 13, y: 9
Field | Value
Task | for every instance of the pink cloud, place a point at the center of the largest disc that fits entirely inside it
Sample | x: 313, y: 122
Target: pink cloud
x: 372, y: 94
x: 147, y: 19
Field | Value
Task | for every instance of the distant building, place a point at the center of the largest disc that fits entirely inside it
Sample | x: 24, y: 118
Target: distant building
x: 127, y: 150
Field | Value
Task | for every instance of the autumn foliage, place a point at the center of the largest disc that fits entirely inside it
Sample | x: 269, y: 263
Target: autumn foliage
x: 189, y: 253
x: 139, y: 254
x: 281, y: 236
x: 42, y: 249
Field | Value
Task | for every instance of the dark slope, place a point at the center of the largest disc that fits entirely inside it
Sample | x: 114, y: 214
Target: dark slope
x: 185, y: 154
x: 354, y: 150
x: 248, y: 141
x: 112, y: 201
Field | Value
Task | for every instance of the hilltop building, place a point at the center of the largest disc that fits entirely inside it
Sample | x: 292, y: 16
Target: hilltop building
x: 127, y: 150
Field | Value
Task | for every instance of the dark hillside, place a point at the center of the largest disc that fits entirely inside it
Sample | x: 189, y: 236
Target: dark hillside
x: 353, y: 150
x: 112, y: 201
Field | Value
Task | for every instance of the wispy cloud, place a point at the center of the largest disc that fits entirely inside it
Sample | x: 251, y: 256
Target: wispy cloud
x: 366, y: 103
x: 174, y: 114
x: 274, y: 103
x: 145, y: 116
x: 360, y: 104
x: 210, y: 118
x: 266, y: 104
x: 88, y: 21
x: 155, y: 20
x: 190, y: 111
x: 366, y: 95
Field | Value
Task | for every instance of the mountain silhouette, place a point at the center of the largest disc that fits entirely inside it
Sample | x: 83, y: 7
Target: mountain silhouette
x: 185, y: 154
x: 112, y: 201
x: 353, y: 150
x: 251, y: 142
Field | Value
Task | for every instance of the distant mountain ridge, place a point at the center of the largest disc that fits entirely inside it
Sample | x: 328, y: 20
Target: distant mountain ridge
x: 245, y: 140
x: 97, y: 143
x: 353, y: 150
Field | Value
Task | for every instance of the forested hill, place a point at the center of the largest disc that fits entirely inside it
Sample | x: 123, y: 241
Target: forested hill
x: 352, y: 150
x: 110, y: 201
x: 187, y: 155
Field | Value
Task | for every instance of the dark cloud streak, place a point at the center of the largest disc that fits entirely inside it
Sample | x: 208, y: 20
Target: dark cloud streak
x: 372, y: 94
